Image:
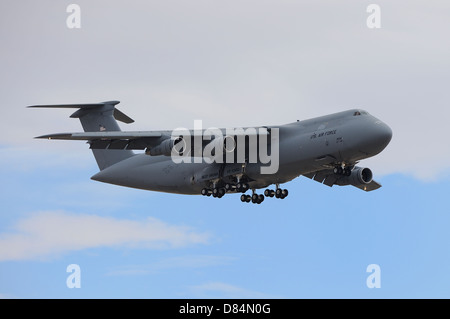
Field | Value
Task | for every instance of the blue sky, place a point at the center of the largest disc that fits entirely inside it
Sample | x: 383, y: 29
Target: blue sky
x: 254, y: 63
x: 315, y: 243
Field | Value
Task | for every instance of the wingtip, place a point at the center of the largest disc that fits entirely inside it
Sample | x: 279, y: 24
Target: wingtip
x: 43, y: 137
x: 114, y: 102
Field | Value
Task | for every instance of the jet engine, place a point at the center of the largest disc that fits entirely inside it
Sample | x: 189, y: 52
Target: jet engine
x: 176, y: 145
x: 359, y: 176
x: 227, y: 143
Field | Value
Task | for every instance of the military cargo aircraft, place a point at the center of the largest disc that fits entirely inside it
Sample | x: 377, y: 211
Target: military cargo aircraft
x: 215, y: 162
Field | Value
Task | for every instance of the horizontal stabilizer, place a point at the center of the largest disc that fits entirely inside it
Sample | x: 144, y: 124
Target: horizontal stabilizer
x: 84, y: 108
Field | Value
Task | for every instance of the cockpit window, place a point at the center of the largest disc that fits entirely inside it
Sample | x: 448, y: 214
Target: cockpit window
x: 359, y: 112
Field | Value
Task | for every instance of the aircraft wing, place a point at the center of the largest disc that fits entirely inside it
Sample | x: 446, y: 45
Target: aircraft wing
x: 100, y: 135
x: 373, y: 185
x: 135, y: 140
x: 329, y: 178
x: 138, y: 140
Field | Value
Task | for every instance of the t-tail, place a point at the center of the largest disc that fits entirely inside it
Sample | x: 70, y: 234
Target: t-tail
x: 99, y: 117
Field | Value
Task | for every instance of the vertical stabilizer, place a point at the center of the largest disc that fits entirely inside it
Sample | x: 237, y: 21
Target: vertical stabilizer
x: 100, y: 117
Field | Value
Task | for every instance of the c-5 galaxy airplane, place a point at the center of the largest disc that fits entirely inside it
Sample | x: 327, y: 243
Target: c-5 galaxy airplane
x: 218, y: 161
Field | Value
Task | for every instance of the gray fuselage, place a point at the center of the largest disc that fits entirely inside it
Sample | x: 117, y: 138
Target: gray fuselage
x: 304, y: 146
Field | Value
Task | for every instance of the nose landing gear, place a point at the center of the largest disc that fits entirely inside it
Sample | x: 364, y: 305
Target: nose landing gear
x: 342, y: 170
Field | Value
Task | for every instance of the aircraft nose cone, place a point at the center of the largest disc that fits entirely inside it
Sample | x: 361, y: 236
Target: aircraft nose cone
x: 374, y: 137
x: 385, y: 134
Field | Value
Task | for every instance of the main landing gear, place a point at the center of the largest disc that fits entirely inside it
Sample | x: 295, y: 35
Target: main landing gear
x: 278, y: 193
x: 254, y: 198
x: 258, y: 199
x: 220, y: 191
x: 240, y: 187
x: 215, y: 192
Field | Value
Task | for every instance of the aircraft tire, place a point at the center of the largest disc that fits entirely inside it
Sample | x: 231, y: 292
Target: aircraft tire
x: 260, y: 199
x: 278, y: 192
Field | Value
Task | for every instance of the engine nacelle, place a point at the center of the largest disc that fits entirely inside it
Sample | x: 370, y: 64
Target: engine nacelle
x: 226, y: 143
x: 168, y: 147
x: 359, y: 176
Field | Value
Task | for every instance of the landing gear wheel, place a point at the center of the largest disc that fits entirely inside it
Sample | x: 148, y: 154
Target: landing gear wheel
x: 284, y: 192
x: 243, y: 198
x: 260, y: 199
x: 338, y: 170
x: 228, y: 187
x: 256, y: 199
x: 269, y: 193
x: 278, y: 193
x: 205, y: 192
x: 218, y: 192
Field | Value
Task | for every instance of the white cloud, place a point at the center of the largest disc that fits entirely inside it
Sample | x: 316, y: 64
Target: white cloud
x: 45, y: 234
